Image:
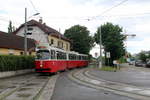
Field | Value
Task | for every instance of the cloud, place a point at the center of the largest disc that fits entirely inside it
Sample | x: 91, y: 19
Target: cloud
x: 136, y: 47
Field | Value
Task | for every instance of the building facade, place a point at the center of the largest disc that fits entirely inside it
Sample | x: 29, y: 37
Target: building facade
x: 42, y: 33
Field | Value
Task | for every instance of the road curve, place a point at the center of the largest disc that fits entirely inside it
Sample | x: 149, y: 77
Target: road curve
x: 83, y: 77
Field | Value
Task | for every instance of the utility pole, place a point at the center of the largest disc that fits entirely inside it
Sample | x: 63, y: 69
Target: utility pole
x: 100, y: 43
x: 25, y: 33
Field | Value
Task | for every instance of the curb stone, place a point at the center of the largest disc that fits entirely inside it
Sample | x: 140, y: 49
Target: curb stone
x: 48, y: 89
x: 15, y: 73
x: 77, y: 77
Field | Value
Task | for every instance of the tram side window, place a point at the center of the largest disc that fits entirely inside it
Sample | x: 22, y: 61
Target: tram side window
x: 87, y: 58
x: 69, y: 56
x: 84, y: 58
x: 72, y: 57
x: 61, y: 55
x: 80, y: 58
x: 53, y: 54
x: 77, y: 57
x: 58, y: 55
x: 64, y: 56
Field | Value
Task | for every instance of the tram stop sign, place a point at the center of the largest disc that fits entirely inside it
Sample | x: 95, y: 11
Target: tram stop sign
x: 96, y: 54
x: 107, y: 54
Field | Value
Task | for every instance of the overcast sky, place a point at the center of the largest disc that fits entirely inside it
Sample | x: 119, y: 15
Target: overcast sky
x: 132, y: 15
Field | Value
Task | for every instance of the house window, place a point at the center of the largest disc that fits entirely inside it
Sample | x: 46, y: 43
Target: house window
x: 60, y: 44
x: 30, y: 53
x: 11, y: 51
x: 52, y: 41
x: 30, y: 28
x: 66, y: 46
x: 21, y: 53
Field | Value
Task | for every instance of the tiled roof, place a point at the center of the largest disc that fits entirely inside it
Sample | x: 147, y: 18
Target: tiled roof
x: 12, y: 41
x: 48, y: 30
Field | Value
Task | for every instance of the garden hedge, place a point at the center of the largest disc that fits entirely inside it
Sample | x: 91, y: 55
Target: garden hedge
x: 13, y: 63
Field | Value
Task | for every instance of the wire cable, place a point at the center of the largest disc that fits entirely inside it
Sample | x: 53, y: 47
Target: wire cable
x: 107, y: 10
x: 33, y: 6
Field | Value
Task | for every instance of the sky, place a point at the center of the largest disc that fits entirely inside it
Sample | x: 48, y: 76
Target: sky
x: 132, y: 15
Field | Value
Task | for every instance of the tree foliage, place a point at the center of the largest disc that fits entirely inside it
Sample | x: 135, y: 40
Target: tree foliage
x: 112, y: 40
x: 82, y: 42
x: 144, y: 55
x: 10, y: 27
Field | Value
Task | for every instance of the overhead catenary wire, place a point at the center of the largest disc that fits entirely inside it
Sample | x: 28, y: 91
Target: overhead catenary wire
x: 33, y: 6
x: 107, y: 10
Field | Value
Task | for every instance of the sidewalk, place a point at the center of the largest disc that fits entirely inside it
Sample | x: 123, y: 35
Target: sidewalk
x: 127, y: 67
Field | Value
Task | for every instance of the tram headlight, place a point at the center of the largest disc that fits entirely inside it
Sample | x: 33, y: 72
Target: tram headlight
x: 41, y: 65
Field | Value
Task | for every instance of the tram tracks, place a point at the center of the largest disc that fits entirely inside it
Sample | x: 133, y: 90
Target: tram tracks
x: 84, y: 78
x: 32, y: 88
x: 12, y: 88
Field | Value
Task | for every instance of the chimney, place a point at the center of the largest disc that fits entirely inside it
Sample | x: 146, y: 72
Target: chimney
x: 40, y: 20
x: 44, y: 24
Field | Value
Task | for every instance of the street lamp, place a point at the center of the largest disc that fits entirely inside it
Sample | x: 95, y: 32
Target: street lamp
x: 25, y: 31
x: 131, y: 35
x: 100, y: 43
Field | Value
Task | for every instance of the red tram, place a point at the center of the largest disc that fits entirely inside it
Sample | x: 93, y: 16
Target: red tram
x: 50, y: 59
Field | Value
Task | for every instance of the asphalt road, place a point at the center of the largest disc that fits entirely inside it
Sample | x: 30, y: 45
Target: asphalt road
x: 66, y: 89
x: 133, y: 76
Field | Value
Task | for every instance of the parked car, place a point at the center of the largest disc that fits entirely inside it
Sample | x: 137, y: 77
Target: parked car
x: 148, y: 63
x: 139, y: 63
x: 132, y: 63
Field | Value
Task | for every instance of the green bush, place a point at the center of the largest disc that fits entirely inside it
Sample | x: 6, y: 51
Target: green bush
x: 122, y: 60
x: 12, y: 62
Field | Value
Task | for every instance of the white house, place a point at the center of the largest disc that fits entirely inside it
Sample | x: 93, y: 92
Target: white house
x: 42, y: 33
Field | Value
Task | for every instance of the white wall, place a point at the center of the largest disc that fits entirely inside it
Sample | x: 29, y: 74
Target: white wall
x: 37, y: 34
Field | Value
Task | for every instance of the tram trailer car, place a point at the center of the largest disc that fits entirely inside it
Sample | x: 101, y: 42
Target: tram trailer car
x: 51, y: 60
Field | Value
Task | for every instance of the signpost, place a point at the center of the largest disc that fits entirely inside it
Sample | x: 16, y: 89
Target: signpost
x: 108, y: 56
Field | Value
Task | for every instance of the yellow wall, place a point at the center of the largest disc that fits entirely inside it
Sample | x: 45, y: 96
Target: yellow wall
x: 56, y: 42
x: 4, y: 51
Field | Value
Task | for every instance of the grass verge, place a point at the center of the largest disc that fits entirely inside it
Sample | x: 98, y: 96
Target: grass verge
x: 108, y: 68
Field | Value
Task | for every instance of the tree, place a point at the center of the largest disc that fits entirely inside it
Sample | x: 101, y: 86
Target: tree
x: 10, y: 27
x: 82, y: 42
x: 144, y: 55
x: 112, y: 40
